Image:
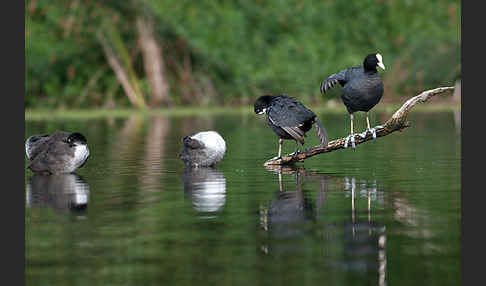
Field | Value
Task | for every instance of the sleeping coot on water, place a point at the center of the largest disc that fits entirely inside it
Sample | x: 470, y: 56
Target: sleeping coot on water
x: 362, y: 90
x: 289, y: 119
x: 60, y: 152
x: 203, y: 149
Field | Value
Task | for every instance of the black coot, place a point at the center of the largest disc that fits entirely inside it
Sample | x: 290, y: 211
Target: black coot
x: 289, y: 118
x: 203, y: 149
x: 60, y: 152
x: 362, y: 90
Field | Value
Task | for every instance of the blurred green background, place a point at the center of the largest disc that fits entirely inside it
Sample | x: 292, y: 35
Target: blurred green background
x: 152, y: 53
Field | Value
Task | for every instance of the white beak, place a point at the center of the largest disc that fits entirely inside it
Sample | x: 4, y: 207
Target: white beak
x: 263, y: 111
x: 380, y: 61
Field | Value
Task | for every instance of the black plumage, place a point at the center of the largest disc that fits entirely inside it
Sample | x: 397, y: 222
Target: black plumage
x: 203, y: 149
x: 362, y: 88
x: 289, y: 118
x: 60, y: 152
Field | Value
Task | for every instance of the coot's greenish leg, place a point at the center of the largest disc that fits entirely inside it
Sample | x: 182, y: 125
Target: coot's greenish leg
x: 372, y: 130
x: 350, y: 136
x: 296, y: 149
x: 279, y: 156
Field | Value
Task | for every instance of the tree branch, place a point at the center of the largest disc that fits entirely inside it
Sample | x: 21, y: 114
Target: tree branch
x: 131, y: 88
x: 396, y: 123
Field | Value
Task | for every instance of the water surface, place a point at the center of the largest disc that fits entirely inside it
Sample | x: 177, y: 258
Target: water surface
x: 387, y: 213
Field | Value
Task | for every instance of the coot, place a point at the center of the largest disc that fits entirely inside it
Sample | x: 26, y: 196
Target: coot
x: 289, y: 119
x: 60, y: 152
x: 203, y: 149
x: 362, y: 90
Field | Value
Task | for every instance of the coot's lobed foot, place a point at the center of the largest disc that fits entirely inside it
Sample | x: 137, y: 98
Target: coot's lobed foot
x: 350, y: 138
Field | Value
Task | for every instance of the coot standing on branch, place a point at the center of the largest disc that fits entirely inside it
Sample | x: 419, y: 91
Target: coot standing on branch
x: 362, y: 90
x: 289, y: 119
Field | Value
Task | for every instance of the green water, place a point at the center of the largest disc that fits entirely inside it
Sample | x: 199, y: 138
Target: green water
x: 387, y: 213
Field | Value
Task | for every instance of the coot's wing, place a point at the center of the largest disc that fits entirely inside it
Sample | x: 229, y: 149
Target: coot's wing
x: 54, y: 156
x: 289, y: 114
x: 334, y: 79
x: 36, y: 144
x: 39, y: 163
x: 341, y: 77
x: 296, y: 133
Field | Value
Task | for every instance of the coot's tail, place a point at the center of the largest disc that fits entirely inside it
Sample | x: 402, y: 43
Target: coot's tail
x: 321, y: 132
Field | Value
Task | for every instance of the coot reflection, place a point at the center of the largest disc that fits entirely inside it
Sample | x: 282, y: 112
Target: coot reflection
x: 206, y: 187
x: 302, y: 221
x: 288, y: 219
x: 362, y: 237
x: 60, y: 192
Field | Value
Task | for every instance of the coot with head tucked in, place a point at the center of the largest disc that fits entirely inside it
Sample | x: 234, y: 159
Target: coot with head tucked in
x: 60, y: 152
x: 289, y: 119
x: 362, y: 89
x: 203, y: 149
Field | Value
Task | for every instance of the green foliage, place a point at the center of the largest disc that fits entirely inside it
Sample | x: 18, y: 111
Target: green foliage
x: 227, y: 51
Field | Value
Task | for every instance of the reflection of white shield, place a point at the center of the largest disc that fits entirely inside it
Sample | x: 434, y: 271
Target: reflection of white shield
x: 206, y: 188
x: 63, y: 191
x: 209, y: 196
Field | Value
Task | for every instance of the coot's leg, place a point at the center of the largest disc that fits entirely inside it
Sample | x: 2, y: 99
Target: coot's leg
x: 368, y: 128
x: 371, y: 130
x: 279, y: 150
x: 350, y: 136
x: 296, y: 149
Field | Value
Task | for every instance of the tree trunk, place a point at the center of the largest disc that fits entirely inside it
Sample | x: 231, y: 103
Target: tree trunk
x: 153, y: 62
